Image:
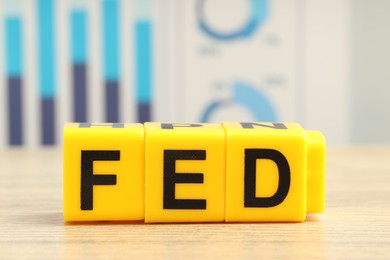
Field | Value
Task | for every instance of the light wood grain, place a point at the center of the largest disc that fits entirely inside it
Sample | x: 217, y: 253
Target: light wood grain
x: 356, y: 223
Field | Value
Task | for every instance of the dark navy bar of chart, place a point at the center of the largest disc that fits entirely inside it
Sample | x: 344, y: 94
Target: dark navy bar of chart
x: 14, y: 61
x: 111, y: 58
x: 47, y: 122
x: 144, y: 112
x: 78, y: 19
x: 143, y: 67
x: 112, y: 107
x: 15, y: 111
x: 80, y: 92
x: 46, y: 56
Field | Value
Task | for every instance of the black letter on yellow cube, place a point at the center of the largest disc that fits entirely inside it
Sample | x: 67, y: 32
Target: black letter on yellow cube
x: 251, y: 155
x: 173, y: 126
x: 113, y: 125
x: 88, y: 179
x: 171, y: 178
x: 247, y: 125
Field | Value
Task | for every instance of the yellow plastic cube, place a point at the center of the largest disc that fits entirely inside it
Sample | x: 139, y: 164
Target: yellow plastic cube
x: 103, y: 171
x: 184, y: 172
x: 316, y: 172
x: 267, y: 172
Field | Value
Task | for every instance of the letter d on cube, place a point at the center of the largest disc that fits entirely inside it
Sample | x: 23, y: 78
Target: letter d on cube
x: 267, y: 172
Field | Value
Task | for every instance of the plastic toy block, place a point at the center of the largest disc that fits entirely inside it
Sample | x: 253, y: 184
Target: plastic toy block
x: 274, y: 172
x: 103, y: 172
x: 316, y: 172
x: 184, y: 173
x: 172, y: 172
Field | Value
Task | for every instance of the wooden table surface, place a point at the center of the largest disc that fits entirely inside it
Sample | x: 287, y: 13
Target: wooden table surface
x: 356, y: 223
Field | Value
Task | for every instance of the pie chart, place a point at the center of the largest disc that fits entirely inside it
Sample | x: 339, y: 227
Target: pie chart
x: 258, y: 105
x: 257, y: 15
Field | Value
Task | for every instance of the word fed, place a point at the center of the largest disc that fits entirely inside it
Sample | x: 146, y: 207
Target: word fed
x: 160, y: 172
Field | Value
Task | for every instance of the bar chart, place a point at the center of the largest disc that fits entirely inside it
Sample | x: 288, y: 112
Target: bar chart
x: 146, y: 60
x: 79, y: 45
x: 14, y: 72
x: 46, y: 64
x: 111, y: 58
x: 143, y: 60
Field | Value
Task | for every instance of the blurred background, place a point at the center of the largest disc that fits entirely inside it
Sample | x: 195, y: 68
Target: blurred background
x: 322, y: 63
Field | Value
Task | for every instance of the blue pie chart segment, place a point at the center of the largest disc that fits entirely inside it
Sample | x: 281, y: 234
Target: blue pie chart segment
x: 247, y: 96
x: 257, y: 16
x: 255, y: 101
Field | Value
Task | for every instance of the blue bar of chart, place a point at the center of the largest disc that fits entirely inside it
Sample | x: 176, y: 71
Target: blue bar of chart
x: 78, y: 20
x: 143, y: 59
x: 111, y: 58
x: 14, y: 63
x: 46, y: 66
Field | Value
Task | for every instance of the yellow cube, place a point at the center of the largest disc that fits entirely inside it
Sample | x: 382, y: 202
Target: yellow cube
x: 316, y: 172
x: 103, y: 171
x: 266, y: 172
x: 184, y: 172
